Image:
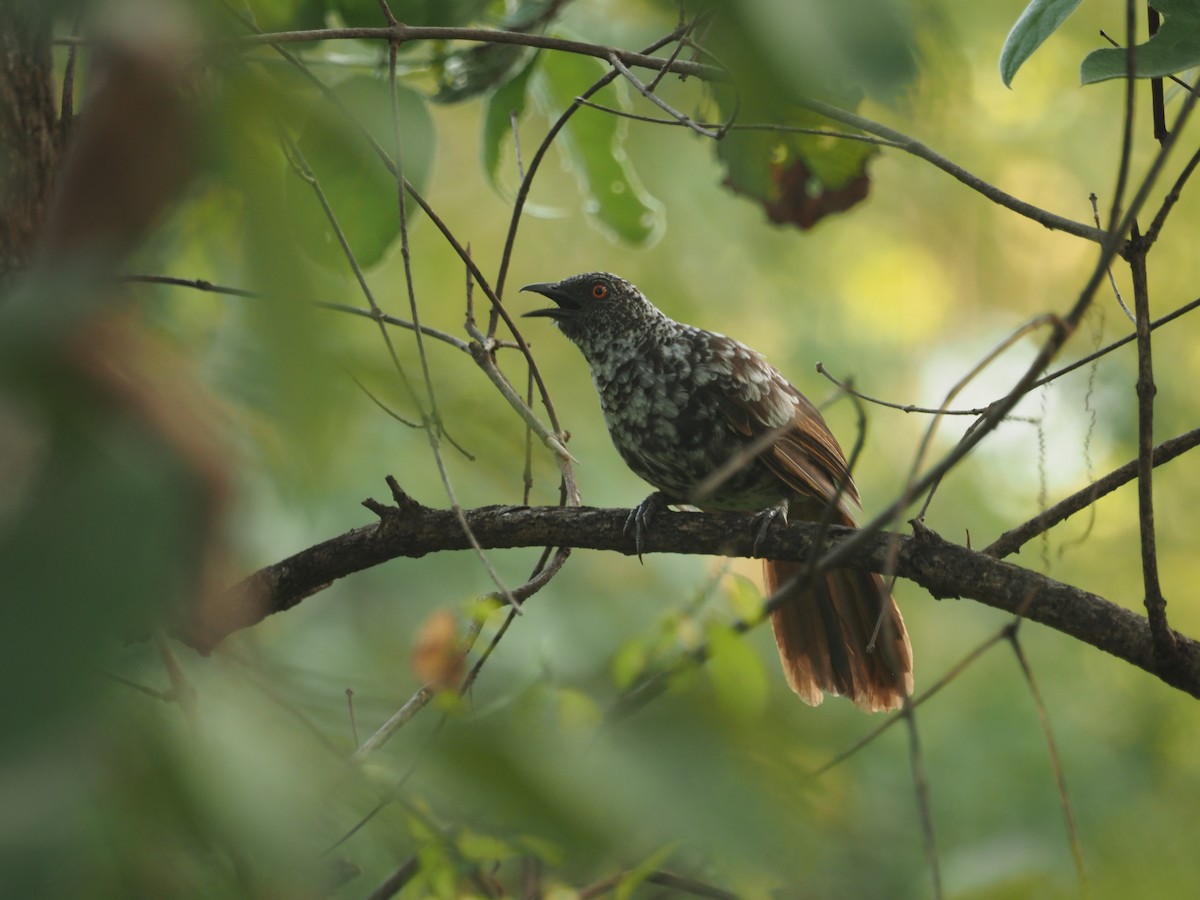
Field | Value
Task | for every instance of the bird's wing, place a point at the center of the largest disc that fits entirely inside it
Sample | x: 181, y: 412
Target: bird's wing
x: 805, y: 455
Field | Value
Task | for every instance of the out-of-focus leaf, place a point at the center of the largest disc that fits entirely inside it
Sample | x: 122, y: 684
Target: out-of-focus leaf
x: 592, y: 144
x: 437, y: 657
x: 736, y: 673
x: 360, y: 190
x: 1175, y: 47
x: 577, y: 711
x: 813, y: 46
x: 279, y: 363
x: 464, y: 74
x: 745, y: 598
x: 505, y: 102
x: 628, y: 663
x: 289, y: 15
x: 483, y: 848
x: 366, y: 13
x: 798, y: 179
x: 1040, y: 19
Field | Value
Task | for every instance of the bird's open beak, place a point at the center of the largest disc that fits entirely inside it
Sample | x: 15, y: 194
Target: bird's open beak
x: 566, y: 303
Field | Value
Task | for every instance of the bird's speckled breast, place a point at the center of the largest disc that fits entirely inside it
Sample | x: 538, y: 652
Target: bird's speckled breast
x: 664, y: 397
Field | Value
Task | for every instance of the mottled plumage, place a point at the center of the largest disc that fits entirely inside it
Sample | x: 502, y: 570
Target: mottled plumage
x: 680, y: 403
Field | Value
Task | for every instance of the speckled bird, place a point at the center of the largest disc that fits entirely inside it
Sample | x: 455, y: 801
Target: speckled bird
x: 681, y: 404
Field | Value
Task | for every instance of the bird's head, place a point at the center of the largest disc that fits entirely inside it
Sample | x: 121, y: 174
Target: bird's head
x: 596, y: 309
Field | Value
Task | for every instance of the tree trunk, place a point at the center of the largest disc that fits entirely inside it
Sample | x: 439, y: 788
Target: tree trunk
x: 30, y: 140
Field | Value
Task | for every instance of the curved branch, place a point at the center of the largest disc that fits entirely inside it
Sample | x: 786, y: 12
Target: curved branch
x: 942, y: 568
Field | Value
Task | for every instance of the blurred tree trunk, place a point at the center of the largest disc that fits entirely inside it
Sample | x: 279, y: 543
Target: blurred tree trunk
x: 30, y: 135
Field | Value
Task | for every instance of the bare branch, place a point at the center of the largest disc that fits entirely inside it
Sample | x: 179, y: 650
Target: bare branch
x: 944, y: 569
x: 1156, y: 605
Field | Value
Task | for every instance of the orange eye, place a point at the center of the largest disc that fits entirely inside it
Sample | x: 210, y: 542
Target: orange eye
x: 599, y: 290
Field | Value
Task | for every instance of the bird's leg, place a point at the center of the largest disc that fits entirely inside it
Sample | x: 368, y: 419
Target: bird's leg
x: 639, y: 519
x: 766, y: 518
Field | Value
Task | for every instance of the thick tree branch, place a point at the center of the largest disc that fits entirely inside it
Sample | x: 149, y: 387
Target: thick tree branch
x: 942, y: 568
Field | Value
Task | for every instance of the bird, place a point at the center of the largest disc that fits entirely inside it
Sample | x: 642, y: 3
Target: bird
x: 688, y: 408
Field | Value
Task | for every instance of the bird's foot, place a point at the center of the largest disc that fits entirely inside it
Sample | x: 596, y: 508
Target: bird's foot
x: 766, y: 518
x: 639, y: 518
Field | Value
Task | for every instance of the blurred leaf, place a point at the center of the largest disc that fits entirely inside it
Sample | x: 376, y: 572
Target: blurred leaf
x: 106, y: 538
x: 745, y: 597
x: 289, y: 15
x: 592, y: 145
x: 437, y: 657
x: 577, y: 711
x: 506, y: 101
x: 1175, y: 47
x: 360, y: 190
x: 366, y: 13
x: 813, y: 47
x: 796, y: 178
x: 278, y: 362
x: 736, y: 673
x: 1040, y: 19
x: 467, y: 73
x: 480, y: 609
x: 547, y: 851
x: 483, y: 848
x: 628, y: 663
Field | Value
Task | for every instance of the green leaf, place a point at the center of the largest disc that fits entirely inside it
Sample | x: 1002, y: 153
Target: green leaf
x: 577, y: 712
x: 483, y: 848
x: 744, y: 597
x: 1040, y: 19
x: 359, y: 188
x: 288, y: 15
x: 505, y: 102
x: 1174, y: 48
x: 465, y: 74
x: 736, y: 673
x: 592, y: 145
x: 629, y: 663
x: 798, y: 179
x: 808, y: 45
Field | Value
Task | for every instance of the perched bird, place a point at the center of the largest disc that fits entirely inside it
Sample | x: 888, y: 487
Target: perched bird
x: 682, y: 403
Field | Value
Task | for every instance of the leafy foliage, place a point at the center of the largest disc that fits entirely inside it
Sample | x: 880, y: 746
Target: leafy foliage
x: 140, y: 768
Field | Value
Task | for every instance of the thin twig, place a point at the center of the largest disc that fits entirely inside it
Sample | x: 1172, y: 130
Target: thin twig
x: 658, y: 101
x: 914, y: 147
x: 1156, y: 605
x: 401, y: 34
x: 1170, y: 200
x: 927, y: 439
x: 1127, y: 118
x: 1055, y: 762
x: 201, y: 284
x: 1112, y: 281
x: 921, y: 785
x: 1053, y: 376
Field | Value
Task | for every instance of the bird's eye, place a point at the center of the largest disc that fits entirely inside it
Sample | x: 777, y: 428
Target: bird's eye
x: 599, y: 290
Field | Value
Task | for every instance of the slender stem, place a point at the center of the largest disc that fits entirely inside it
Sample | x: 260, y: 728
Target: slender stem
x: 1156, y: 605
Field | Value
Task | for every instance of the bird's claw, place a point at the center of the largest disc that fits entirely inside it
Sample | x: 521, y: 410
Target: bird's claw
x: 766, y: 518
x: 639, y: 519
